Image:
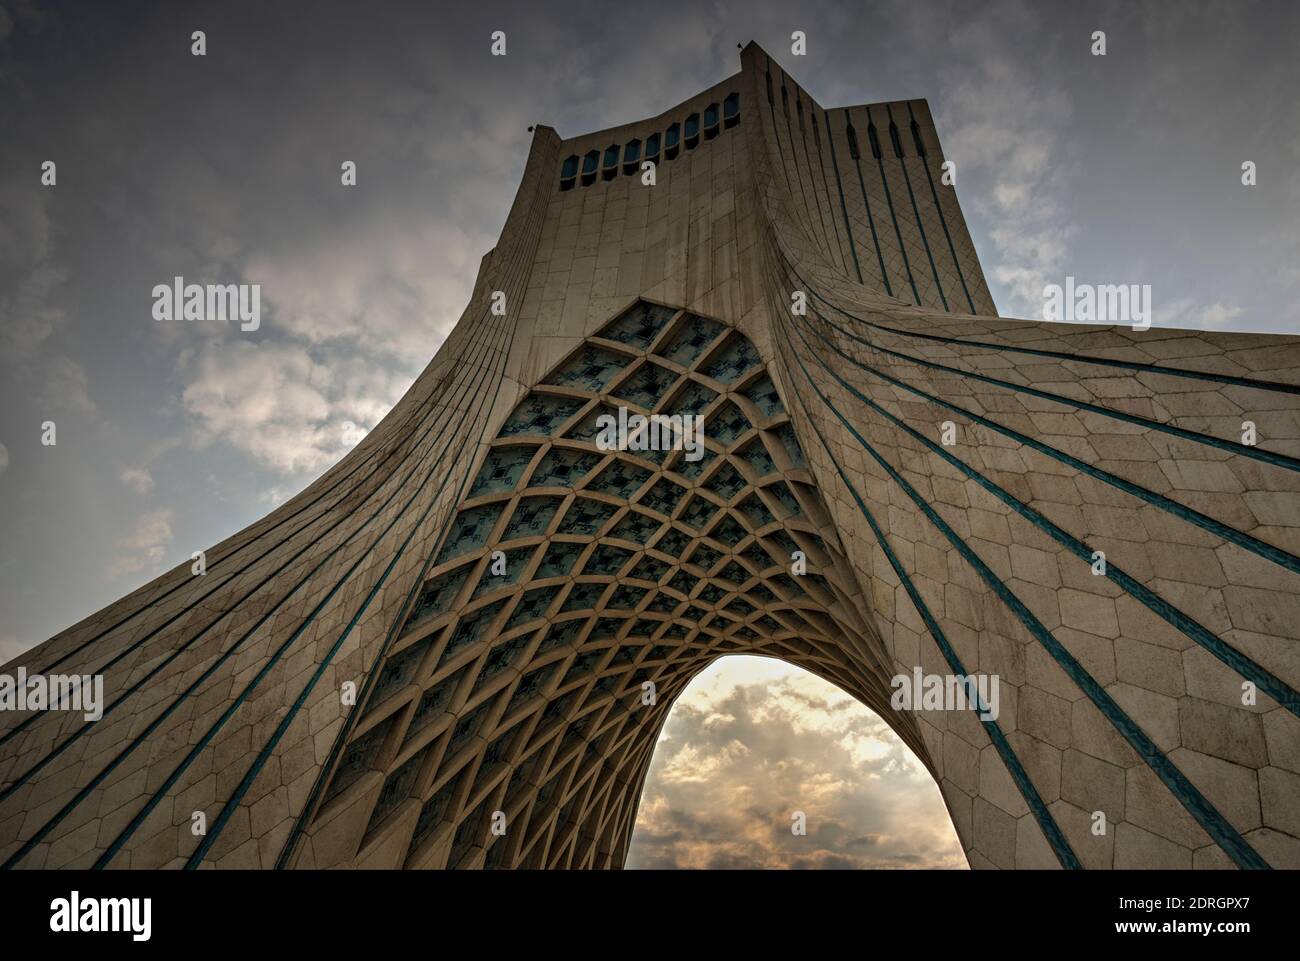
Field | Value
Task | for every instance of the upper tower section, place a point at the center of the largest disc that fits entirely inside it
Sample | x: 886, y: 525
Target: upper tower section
x: 863, y: 190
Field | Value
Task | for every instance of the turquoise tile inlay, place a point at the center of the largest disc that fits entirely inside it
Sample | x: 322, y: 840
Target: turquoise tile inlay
x: 471, y: 629
x: 646, y: 385
x: 627, y: 597
x: 588, y: 428
x: 763, y: 393
x: 693, y: 468
x: 691, y: 399
x: 532, y: 605
x: 726, y: 424
x: 607, y: 560
x: 540, y: 414
x: 563, y: 634
x: 435, y: 701
x: 501, y: 470
x: 639, y: 326
x: 698, y: 513
x: 591, y: 368
x: 620, y: 479
x: 691, y: 338
x: 729, y: 532
x: 705, y: 557
x: 782, y: 494
x: 635, y: 527
x: 583, y: 597
x: 470, y: 531
x: 649, y: 569
x: 734, y: 573
x: 726, y: 482
x: 683, y: 581
x: 435, y: 596
x: 786, y: 433
x: 559, y: 559
x: 586, y: 516
x: 563, y: 467
x: 734, y: 360
x: 516, y: 561
x: 672, y: 543
x: 663, y: 497
x: 531, y: 517
x: 756, y: 455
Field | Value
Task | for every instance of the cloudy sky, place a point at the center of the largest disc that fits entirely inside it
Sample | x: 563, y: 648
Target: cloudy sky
x: 225, y: 169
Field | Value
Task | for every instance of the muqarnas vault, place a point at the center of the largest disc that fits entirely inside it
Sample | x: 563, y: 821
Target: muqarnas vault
x: 438, y: 655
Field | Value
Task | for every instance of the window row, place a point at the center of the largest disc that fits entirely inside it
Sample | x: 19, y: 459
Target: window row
x: 852, y: 134
x: 874, y: 140
x: 635, y: 152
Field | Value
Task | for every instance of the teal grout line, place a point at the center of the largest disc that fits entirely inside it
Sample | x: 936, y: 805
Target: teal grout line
x: 907, y: 178
x: 222, y: 582
x: 961, y: 275
x: 776, y: 135
x: 153, y: 725
x: 812, y: 177
x: 826, y: 184
x: 866, y: 202
x: 1269, y: 552
x: 1051, y: 831
x: 889, y: 200
x: 259, y: 762
x: 232, y: 804
x: 794, y: 157
x: 1227, y: 379
x: 830, y: 138
x: 141, y: 815
x: 1196, y: 804
x: 57, y: 751
x: 1255, y: 453
x: 1273, y: 686
x: 85, y: 791
x: 394, y: 633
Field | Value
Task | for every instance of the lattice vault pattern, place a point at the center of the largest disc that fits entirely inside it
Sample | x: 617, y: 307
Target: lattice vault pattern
x: 357, y: 681
x: 524, y: 691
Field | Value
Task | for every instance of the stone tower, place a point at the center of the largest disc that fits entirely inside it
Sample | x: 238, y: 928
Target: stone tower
x: 458, y: 646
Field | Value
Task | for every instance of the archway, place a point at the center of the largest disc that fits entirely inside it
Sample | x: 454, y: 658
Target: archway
x: 579, y: 590
x: 752, y: 741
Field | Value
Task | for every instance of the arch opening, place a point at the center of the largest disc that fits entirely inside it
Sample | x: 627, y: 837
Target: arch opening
x: 762, y: 764
x: 587, y: 576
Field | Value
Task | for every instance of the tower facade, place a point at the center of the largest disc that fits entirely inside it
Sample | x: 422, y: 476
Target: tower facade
x: 458, y: 646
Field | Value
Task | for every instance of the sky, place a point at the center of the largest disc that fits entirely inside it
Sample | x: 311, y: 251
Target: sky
x: 225, y: 169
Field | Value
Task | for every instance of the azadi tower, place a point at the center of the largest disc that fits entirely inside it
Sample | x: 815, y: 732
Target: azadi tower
x: 457, y: 648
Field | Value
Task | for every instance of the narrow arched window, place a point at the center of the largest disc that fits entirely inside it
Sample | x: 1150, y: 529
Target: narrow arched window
x: 569, y: 172
x: 692, y: 131
x: 672, y: 140
x: 711, y: 127
x: 611, y: 161
x: 590, y: 161
x: 916, y: 139
x: 631, y: 154
x: 731, y: 110
x: 875, y: 141
x: 652, y: 147
x: 853, y: 142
